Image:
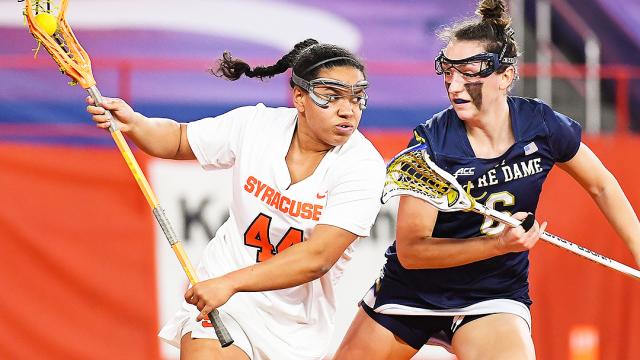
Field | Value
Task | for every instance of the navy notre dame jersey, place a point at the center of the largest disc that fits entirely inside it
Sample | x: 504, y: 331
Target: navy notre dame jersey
x: 510, y: 183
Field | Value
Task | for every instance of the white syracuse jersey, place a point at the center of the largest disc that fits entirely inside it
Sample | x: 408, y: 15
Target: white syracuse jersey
x: 268, y: 214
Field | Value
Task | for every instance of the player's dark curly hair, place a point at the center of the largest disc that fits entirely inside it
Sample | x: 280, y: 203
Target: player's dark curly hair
x: 492, y: 28
x: 304, y: 55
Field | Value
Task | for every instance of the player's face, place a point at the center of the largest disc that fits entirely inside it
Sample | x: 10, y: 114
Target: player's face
x: 470, y: 96
x: 333, y: 124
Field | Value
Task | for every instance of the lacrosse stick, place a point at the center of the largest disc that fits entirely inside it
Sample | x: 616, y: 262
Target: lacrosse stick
x: 75, y: 63
x: 413, y: 173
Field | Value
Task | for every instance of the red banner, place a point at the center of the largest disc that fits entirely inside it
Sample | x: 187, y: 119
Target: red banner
x: 78, y: 259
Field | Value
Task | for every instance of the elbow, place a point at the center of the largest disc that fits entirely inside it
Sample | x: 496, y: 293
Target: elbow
x: 408, y: 262
x: 407, y: 257
x: 318, y: 267
x: 601, y: 188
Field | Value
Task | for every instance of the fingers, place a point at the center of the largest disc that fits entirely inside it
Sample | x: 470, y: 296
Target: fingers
x: 189, y: 296
x: 107, y: 102
x: 204, y: 313
x: 100, y: 115
x: 521, y: 215
x: 532, y: 236
x: 516, y: 239
x: 192, y: 298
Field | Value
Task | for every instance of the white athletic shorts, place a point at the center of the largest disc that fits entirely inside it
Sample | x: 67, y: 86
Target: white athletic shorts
x: 184, y: 321
x: 267, y: 342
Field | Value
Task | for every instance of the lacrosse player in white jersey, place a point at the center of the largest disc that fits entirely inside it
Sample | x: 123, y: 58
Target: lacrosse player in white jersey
x: 306, y: 185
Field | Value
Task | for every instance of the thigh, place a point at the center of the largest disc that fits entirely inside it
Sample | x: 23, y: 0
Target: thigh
x: 209, y: 349
x: 499, y: 336
x: 366, y: 339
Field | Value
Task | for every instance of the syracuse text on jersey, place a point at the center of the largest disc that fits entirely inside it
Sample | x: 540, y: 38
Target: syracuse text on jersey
x: 276, y: 200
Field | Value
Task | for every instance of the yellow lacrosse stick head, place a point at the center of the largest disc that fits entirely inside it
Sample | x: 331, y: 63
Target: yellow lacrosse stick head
x: 59, y: 40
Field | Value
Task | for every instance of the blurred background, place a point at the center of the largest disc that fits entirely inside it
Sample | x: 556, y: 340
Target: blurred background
x: 86, y: 274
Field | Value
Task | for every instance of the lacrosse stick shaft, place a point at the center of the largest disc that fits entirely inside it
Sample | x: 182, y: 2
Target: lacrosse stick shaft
x: 158, y: 212
x: 560, y: 242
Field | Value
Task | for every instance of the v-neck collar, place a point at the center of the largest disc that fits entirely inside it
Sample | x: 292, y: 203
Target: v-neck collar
x: 465, y: 138
x: 282, y: 174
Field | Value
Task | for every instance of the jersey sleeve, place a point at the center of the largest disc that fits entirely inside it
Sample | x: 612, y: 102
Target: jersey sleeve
x: 215, y: 141
x: 420, y: 137
x: 565, y: 135
x: 353, y: 201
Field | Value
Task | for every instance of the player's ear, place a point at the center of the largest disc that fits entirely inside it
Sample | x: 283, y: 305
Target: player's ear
x: 298, y: 99
x: 507, y: 78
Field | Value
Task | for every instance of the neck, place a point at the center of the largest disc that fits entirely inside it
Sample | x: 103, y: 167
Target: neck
x: 304, y: 155
x: 490, y: 133
x: 304, y: 142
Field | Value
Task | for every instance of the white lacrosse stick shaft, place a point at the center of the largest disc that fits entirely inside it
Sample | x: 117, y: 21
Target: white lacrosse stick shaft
x: 560, y: 242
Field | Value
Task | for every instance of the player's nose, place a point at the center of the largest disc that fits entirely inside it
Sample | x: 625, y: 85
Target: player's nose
x: 456, y: 83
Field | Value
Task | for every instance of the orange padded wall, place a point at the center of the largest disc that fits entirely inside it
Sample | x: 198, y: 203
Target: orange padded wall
x: 77, y: 269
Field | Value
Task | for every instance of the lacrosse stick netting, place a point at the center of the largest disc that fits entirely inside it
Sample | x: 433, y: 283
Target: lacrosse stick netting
x: 413, y: 173
x: 73, y: 61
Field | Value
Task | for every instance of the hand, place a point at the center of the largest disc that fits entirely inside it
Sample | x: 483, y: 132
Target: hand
x: 123, y: 114
x: 515, y: 239
x: 209, y: 295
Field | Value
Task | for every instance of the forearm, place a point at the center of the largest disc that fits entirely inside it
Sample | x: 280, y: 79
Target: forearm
x: 297, y: 265
x: 438, y: 253
x: 618, y: 211
x: 157, y: 137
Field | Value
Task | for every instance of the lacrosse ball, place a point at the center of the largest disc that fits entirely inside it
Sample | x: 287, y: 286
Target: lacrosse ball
x: 47, y: 22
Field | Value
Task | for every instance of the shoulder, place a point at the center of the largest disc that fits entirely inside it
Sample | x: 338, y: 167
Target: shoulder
x: 535, y: 112
x: 535, y: 118
x: 359, y: 154
x: 436, y: 126
x: 267, y: 114
x: 359, y: 146
x: 444, y: 134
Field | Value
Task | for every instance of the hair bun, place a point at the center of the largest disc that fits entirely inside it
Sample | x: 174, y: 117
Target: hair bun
x: 491, y: 9
x: 494, y: 11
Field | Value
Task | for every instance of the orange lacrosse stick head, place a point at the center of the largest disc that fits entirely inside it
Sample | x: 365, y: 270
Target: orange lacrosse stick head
x: 62, y: 44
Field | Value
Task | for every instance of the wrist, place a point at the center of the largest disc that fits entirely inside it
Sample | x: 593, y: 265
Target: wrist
x: 233, y: 281
x: 135, y: 122
x: 497, y: 244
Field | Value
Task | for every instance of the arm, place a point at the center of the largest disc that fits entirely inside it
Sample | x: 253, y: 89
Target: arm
x: 299, y: 264
x: 417, y: 249
x: 164, y: 138
x: 588, y: 170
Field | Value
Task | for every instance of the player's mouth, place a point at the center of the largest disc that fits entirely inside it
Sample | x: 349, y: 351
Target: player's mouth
x: 345, y: 128
x: 460, y: 101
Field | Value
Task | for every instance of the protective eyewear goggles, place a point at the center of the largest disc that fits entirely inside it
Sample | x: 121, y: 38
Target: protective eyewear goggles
x: 325, y: 91
x: 479, y: 65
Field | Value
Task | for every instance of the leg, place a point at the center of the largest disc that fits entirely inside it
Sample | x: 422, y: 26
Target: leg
x: 497, y: 337
x: 366, y: 339
x: 209, y: 349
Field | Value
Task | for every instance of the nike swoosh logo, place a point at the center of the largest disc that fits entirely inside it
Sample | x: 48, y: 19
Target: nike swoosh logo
x: 321, y: 196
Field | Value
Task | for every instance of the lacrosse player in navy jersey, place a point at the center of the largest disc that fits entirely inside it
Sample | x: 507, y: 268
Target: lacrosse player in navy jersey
x: 458, y: 279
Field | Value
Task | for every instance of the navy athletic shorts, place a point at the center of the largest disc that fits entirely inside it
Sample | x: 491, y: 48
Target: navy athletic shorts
x: 416, y: 330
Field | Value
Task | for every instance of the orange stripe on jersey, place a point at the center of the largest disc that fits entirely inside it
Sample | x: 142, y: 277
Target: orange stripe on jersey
x: 279, y: 202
